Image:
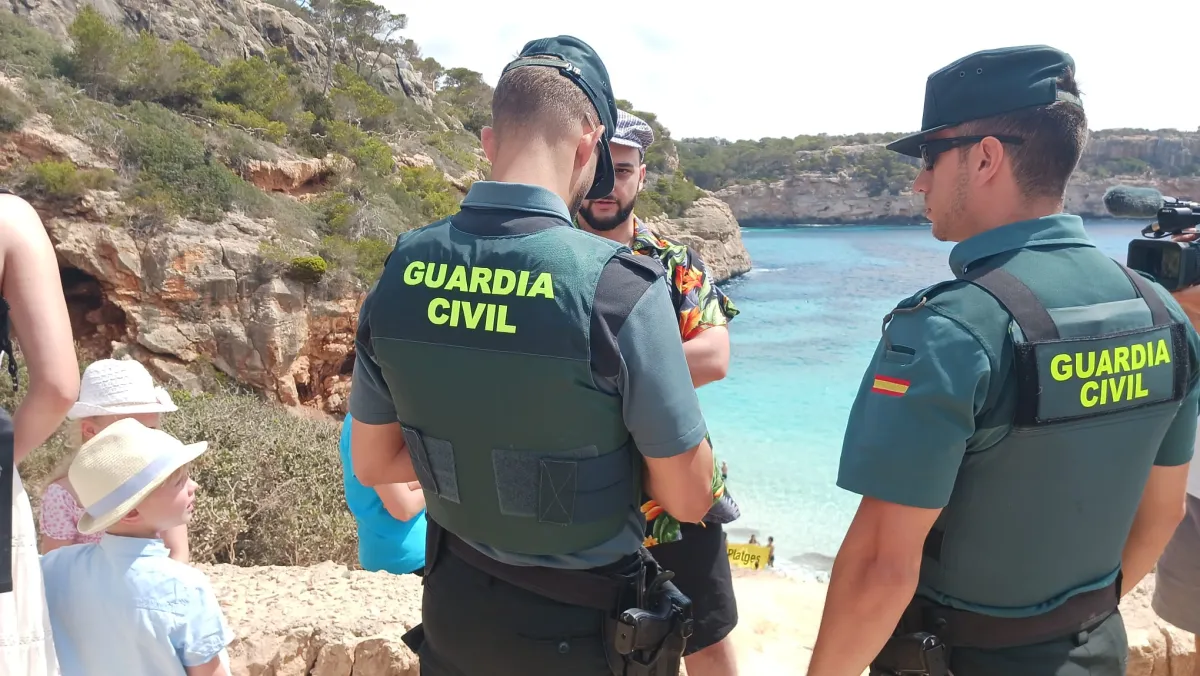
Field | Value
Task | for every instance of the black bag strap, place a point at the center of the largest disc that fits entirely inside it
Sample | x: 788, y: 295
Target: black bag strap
x: 1158, y: 310
x: 7, y: 479
x: 1029, y: 313
x: 8, y: 471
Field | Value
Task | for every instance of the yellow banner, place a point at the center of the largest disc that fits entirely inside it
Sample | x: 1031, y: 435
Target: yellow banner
x: 748, y: 556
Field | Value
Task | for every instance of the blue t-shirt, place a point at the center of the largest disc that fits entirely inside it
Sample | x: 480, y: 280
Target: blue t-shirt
x: 384, y: 542
x: 122, y: 606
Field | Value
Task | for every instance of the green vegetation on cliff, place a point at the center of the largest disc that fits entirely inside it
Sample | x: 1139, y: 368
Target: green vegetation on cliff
x: 185, y: 129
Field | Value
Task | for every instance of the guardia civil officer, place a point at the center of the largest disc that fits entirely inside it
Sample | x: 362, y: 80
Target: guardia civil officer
x: 529, y: 375
x: 1022, y: 434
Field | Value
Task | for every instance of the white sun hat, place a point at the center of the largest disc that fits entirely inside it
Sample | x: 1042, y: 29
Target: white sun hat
x: 119, y: 387
x: 116, y: 469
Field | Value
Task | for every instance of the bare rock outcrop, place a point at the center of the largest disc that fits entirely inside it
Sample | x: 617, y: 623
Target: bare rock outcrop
x: 708, y: 226
x: 295, y: 175
x: 201, y: 294
x: 322, y: 620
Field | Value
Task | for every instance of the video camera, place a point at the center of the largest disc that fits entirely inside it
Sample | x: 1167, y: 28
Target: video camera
x: 1175, y: 265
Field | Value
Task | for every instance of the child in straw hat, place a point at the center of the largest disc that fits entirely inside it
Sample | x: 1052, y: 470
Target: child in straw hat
x: 122, y: 605
x: 110, y: 390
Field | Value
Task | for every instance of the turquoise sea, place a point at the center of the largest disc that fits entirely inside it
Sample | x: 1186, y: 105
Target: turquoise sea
x: 811, y: 311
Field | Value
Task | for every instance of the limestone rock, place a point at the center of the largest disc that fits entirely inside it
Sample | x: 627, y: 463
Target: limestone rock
x: 200, y: 294
x: 291, y: 176
x: 708, y: 226
x: 322, y: 620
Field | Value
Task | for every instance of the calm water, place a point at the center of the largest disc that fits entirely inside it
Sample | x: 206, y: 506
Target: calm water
x: 811, y: 314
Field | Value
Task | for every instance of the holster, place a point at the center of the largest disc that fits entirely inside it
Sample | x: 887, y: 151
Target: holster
x: 916, y: 654
x: 647, y: 620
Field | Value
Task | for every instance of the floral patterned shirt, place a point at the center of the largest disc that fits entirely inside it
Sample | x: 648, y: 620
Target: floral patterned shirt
x: 701, y: 306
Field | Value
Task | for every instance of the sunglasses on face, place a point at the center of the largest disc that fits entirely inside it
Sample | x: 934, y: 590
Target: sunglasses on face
x: 931, y: 149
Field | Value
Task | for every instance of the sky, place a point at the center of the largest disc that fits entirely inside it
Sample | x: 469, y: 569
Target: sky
x: 748, y: 69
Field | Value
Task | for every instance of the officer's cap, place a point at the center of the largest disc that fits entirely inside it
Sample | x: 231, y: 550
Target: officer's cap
x: 988, y: 83
x: 576, y: 60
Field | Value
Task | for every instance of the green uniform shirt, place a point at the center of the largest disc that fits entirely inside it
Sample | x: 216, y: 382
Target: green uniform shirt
x: 942, y: 375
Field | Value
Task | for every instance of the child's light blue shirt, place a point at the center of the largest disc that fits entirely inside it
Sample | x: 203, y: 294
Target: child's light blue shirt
x: 123, y: 607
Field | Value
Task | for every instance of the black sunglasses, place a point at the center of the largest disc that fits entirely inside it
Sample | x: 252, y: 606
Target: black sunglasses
x: 932, y: 148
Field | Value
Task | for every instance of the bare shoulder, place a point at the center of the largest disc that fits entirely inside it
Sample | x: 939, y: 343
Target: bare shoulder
x: 20, y: 223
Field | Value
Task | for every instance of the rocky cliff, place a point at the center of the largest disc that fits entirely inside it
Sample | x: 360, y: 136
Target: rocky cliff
x: 194, y: 299
x: 1168, y: 161
x: 329, y: 621
x: 821, y: 198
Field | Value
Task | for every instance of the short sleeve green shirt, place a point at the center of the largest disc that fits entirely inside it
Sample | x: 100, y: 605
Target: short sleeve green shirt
x: 940, y: 379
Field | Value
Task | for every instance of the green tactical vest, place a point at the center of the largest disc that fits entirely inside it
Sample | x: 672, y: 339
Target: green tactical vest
x: 1097, y: 388
x: 485, y: 344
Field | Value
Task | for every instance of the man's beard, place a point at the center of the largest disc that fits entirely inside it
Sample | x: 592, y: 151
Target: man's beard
x: 605, y: 224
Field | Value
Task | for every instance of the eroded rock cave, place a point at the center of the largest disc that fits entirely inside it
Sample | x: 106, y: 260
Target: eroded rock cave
x: 95, y: 321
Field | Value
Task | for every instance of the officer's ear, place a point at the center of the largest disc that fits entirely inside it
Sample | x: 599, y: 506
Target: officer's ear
x: 488, y: 138
x: 641, y: 177
x: 588, y: 143
x: 986, y: 162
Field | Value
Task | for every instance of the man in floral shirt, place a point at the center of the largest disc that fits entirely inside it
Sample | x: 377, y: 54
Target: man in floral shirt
x: 695, y: 552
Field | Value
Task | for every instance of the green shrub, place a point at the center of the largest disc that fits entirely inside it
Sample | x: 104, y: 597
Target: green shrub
x: 249, y: 120
x: 669, y: 196
x: 175, y: 75
x: 13, y: 110
x: 363, y: 256
x: 438, y: 197
x: 258, y: 85
x: 61, y: 180
x: 308, y: 269
x: 368, y: 153
x: 354, y: 100
x: 25, y: 50
x: 171, y: 159
x: 101, y: 55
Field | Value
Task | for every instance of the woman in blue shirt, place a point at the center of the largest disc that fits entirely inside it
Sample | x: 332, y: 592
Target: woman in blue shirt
x: 391, y: 519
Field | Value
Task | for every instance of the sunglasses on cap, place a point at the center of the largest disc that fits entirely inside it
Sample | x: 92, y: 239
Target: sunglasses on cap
x: 934, y: 147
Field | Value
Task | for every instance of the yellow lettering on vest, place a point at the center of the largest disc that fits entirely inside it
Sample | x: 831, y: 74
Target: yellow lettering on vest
x: 435, y: 305
x: 1060, y: 367
x: 1105, y: 367
x: 435, y: 280
x: 502, y: 325
x: 1081, y: 372
x: 1141, y: 392
x: 1137, y: 354
x: 454, y: 310
x: 1116, y: 386
x: 522, y: 283
x: 490, y: 322
x: 480, y: 279
x: 503, y: 282
x: 414, y: 272
x: 1164, y: 355
x: 1084, y: 398
x: 1121, y: 359
x: 458, y: 279
x: 473, y: 312
x: 542, y: 286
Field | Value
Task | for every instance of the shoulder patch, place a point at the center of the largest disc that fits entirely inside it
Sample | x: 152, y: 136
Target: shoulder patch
x: 643, y: 265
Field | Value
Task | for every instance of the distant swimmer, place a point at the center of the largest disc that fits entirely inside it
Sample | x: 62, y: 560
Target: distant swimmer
x: 1022, y: 434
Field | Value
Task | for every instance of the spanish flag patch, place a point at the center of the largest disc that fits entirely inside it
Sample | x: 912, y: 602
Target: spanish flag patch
x: 894, y: 387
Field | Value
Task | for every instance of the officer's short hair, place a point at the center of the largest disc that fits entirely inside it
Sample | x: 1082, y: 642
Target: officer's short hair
x: 1054, y: 136
x: 539, y: 101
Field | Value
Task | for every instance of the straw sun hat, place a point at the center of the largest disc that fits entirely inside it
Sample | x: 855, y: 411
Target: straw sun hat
x: 116, y: 469
x: 119, y: 387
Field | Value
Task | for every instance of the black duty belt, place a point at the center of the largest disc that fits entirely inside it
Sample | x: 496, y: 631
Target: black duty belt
x: 587, y: 588
x: 966, y: 629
